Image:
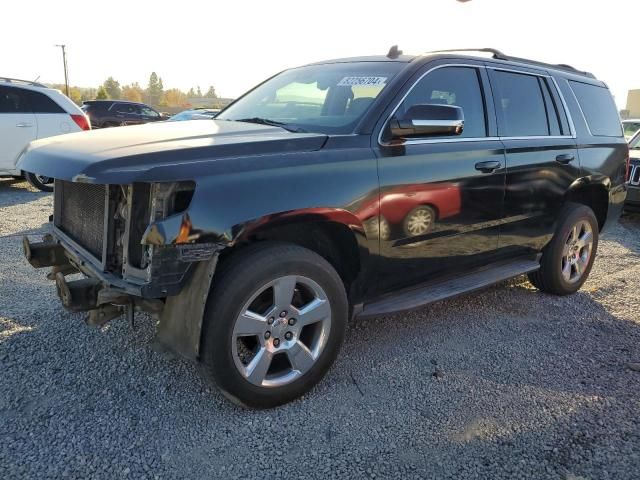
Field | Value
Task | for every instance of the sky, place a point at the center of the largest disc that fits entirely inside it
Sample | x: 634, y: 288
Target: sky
x: 236, y: 44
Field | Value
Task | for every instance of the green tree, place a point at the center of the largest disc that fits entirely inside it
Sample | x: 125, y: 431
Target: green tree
x: 154, y: 89
x: 113, y: 88
x: 102, y: 93
x: 211, y: 93
x: 191, y: 93
x: 199, y: 94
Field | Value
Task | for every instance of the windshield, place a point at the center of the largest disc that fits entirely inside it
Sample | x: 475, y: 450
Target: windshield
x: 329, y: 98
x: 634, y: 143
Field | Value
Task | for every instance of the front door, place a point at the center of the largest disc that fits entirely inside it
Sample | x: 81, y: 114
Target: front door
x: 441, y: 199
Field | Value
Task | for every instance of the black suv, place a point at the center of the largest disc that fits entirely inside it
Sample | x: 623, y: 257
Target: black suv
x: 116, y: 113
x: 347, y: 188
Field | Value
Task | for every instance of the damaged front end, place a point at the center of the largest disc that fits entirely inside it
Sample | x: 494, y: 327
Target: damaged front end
x: 119, y: 237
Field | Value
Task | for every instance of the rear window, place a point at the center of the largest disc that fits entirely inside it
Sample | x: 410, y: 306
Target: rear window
x: 520, y: 105
x: 40, y: 103
x: 599, y: 110
x: 14, y: 100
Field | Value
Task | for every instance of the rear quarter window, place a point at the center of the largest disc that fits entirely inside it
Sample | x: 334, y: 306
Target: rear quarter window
x: 598, y: 108
x: 41, y: 103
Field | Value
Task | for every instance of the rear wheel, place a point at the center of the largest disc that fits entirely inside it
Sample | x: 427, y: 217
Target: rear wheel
x: 39, y: 181
x: 568, y: 258
x: 274, y: 323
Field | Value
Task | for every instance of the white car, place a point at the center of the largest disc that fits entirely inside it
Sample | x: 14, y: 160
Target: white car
x: 630, y: 126
x: 29, y: 111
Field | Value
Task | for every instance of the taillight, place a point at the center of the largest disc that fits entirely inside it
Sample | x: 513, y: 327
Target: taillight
x: 81, y: 121
x: 628, y: 174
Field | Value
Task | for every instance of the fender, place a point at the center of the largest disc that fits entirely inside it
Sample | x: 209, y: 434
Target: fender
x: 181, y: 229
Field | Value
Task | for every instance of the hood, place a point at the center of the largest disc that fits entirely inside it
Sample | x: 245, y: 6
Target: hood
x: 157, y: 151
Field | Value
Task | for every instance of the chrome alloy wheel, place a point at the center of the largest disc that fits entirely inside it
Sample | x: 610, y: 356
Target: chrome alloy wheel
x: 419, y: 221
x: 282, y: 331
x: 577, y: 251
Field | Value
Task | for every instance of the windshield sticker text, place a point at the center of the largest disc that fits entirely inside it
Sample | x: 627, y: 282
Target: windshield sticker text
x: 362, y: 81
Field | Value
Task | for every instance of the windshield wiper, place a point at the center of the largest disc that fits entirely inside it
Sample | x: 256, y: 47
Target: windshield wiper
x: 273, y: 123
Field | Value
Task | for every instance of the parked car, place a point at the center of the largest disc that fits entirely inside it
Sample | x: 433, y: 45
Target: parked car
x: 28, y: 111
x: 195, y: 114
x: 245, y: 235
x: 117, y: 113
x: 630, y: 127
x: 633, y: 186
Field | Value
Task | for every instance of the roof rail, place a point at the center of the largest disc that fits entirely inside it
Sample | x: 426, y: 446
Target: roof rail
x: 498, y: 55
x: 26, y: 82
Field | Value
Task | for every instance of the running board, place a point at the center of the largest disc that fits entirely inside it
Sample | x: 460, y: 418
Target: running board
x: 424, y: 294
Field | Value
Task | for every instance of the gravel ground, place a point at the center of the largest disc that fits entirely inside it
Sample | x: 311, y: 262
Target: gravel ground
x: 506, y: 383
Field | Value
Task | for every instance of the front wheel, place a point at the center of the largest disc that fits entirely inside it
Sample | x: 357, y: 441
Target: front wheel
x: 39, y: 181
x: 274, y: 323
x: 568, y: 258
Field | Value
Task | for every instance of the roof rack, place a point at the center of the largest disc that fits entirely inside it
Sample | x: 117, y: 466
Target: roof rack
x: 26, y: 82
x: 498, y: 55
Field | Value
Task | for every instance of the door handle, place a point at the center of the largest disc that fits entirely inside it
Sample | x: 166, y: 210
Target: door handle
x: 565, y: 158
x: 24, y: 125
x: 488, y: 166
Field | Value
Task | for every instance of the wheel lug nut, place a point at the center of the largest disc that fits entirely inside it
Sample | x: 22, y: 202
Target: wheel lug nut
x: 267, y: 335
x: 283, y: 314
x: 276, y: 342
x: 288, y: 335
x: 270, y: 321
x: 292, y: 321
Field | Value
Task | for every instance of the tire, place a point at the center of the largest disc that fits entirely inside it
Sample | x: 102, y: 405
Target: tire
x: 41, y: 183
x: 256, y: 369
x: 419, y: 221
x: 568, y: 258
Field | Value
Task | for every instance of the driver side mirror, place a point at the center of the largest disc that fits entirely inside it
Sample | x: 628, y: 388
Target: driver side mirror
x: 428, y: 120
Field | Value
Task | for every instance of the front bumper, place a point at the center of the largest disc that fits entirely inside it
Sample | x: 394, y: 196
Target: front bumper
x: 168, y: 273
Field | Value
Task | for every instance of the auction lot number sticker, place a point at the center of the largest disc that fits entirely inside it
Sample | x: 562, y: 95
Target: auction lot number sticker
x: 362, y: 81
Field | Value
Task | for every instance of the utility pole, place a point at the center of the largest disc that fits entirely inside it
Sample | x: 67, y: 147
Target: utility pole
x: 66, y: 73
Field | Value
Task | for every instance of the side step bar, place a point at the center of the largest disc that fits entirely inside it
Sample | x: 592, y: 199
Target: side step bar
x: 424, y: 294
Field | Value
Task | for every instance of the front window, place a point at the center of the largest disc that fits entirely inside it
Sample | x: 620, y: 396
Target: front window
x: 149, y: 112
x: 329, y: 98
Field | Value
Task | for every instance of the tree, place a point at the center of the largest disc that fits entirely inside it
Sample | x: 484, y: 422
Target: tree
x: 191, y: 93
x: 154, y: 90
x: 174, y: 98
x: 102, y: 93
x: 132, y: 92
x: 199, y: 94
x: 75, y: 94
x: 113, y: 88
x: 211, y: 93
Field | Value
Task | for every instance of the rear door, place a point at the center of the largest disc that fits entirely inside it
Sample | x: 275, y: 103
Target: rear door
x: 541, y: 154
x: 52, y: 118
x: 18, y: 125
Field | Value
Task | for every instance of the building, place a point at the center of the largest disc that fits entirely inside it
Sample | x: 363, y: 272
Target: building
x: 633, y: 104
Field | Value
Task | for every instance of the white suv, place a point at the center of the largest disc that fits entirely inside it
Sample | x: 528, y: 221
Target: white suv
x: 29, y: 111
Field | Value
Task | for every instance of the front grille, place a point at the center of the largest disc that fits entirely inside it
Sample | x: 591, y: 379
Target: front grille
x: 79, y: 212
x: 634, y: 177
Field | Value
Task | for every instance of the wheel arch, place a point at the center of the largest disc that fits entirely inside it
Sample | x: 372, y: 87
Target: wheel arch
x: 594, y: 193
